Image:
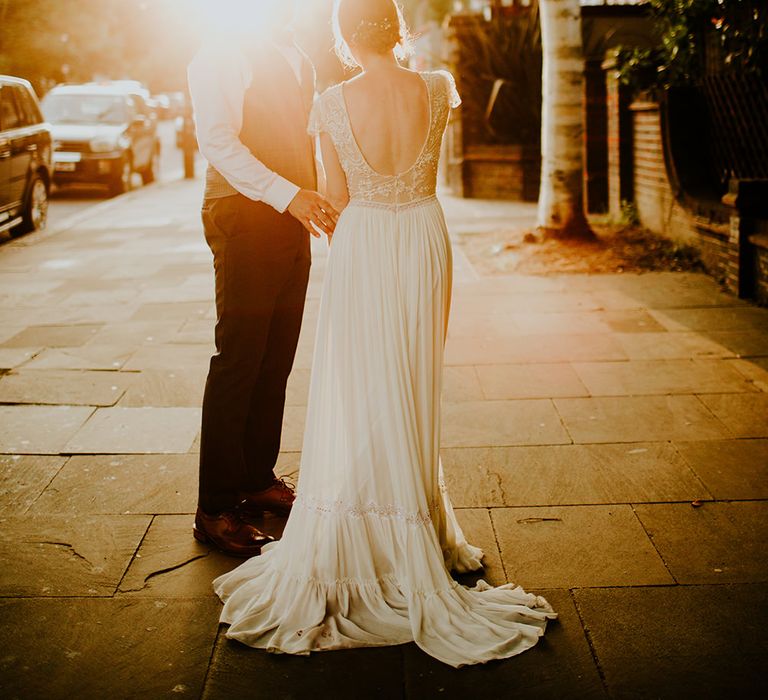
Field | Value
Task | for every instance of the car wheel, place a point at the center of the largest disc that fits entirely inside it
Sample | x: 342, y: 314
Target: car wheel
x: 121, y: 182
x: 149, y: 174
x: 36, y: 210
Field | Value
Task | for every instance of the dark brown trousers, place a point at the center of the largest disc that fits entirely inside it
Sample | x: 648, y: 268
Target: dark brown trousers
x: 261, y: 261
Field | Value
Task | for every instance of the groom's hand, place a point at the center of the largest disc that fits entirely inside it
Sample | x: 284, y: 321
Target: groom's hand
x: 314, y: 210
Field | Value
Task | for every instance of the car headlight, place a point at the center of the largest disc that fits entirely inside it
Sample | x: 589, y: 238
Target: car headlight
x: 103, y: 145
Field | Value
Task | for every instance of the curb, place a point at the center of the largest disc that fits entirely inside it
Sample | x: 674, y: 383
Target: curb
x: 93, y: 210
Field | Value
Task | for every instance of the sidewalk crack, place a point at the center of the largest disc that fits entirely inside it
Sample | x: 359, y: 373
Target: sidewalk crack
x: 166, y: 570
x: 65, y: 545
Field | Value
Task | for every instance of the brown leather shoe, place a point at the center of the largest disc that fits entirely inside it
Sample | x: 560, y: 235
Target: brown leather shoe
x: 229, y: 533
x: 278, y: 499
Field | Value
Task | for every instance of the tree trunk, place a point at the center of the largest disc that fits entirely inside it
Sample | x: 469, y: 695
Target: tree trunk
x: 561, y: 197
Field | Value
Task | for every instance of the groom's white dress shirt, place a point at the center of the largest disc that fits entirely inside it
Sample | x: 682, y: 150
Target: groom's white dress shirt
x: 219, y: 77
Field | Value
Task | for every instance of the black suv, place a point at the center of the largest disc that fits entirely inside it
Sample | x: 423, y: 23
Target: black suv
x: 25, y: 158
x: 102, y: 135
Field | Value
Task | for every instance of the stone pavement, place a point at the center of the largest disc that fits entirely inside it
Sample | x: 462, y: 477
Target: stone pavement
x: 605, y: 441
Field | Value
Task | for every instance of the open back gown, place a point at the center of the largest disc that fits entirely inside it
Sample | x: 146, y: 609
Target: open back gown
x: 366, y: 553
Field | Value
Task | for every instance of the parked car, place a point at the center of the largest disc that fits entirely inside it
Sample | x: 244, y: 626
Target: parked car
x: 102, y: 135
x: 25, y: 158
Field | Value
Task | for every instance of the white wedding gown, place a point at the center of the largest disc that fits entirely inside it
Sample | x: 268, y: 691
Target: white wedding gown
x: 366, y: 553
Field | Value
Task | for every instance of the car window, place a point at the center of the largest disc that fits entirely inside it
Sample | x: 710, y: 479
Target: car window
x: 29, y: 112
x: 9, y: 115
x: 141, y: 105
x: 85, y: 109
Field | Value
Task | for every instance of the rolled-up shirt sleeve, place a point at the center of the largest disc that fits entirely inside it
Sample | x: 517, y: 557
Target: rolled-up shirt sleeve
x: 218, y: 80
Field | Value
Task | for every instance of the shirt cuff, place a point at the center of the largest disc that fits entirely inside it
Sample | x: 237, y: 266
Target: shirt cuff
x: 280, y: 193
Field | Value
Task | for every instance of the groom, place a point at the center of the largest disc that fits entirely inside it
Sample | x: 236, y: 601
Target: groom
x: 252, y: 94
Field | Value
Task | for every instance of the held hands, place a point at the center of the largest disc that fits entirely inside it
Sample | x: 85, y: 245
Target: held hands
x: 314, y: 212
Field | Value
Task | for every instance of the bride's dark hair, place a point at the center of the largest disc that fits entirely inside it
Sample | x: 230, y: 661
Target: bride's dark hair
x: 374, y: 25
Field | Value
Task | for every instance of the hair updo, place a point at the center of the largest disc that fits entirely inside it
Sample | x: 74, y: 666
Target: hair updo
x: 372, y: 25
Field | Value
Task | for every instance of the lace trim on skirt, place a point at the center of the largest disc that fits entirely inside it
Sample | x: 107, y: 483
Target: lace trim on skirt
x: 358, y: 510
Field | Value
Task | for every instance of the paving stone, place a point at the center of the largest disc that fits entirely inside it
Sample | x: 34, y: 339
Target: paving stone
x: 478, y: 529
x: 165, y: 388
x: 72, y: 388
x: 679, y: 642
x: 53, y: 336
x: 745, y: 415
x: 131, y: 335
x: 728, y: 540
x: 533, y: 348
x: 632, y: 321
x: 121, y: 484
x: 22, y: 480
x: 197, y: 332
x: 735, y: 318
x: 569, y: 475
x: 90, y: 357
x: 78, y: 315
x: 461, y: 384
x: 116, y: 296
x: 489, y: 423
x: 171, y: 357
x: 671, y: 290
x: 561, y: 323
x: 350, y: 674
x: 559, y: 666
x: 67, y: 555
x: 670, y: 346
x: 529, y: 381
x: 639, y: 419
x: 645, y: 377
x: 128, y: 648
x: 304, y: 351
x: 13, y: 357
x: 136, y: 431
x: 574, y: 546
x: 172, y: 564
x: 288, y: 465
x: 293, y: 428
x: 523, y: 302
x: 39, y: 429
x: 486, y: 325
x: 297, y: 390
x: 755, y: 370
x: 731, y: 469
x: 172, y: 311
x: 9, y: 326
x: 742, y: 343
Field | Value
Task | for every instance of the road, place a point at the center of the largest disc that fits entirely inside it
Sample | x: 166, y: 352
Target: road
x: 70, y: 201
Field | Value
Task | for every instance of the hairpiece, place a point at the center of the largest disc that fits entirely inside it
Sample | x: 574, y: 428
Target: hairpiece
x: 367, y: 29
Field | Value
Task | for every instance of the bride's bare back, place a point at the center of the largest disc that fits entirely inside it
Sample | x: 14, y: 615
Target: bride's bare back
x: 390, y: 116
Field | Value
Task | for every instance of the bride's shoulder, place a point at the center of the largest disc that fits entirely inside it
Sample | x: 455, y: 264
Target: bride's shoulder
x: 329, y: 93
x: 445, y: 82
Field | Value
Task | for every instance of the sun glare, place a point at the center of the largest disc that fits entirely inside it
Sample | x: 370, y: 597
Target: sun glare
x: 240, y: 16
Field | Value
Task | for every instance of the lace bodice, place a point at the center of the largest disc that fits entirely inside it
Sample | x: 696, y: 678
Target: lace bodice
x: 329, y: 115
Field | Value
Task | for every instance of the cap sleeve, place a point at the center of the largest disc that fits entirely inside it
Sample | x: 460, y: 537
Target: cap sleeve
x: 454, y: 100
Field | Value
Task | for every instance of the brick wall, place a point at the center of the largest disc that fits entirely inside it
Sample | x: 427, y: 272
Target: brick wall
x: 760, y: 243
x: 729, y: 251
x: 502, y: 172
x: 656, y: 204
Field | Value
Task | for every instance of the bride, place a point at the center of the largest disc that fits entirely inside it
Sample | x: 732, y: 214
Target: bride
x: 372, y: 537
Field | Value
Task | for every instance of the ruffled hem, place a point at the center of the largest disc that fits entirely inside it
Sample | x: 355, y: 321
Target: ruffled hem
x: 268, y: 608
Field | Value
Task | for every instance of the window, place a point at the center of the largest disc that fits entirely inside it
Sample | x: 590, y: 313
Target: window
x: 9, y: 115
x: 27, y: 107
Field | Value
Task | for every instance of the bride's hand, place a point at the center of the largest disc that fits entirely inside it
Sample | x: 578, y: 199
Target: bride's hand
x: 314, y: 212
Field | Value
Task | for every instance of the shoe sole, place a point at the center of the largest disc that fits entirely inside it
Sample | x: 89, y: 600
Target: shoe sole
x: 203, y: 538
